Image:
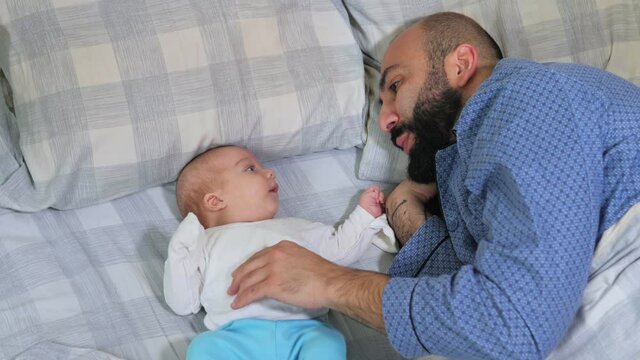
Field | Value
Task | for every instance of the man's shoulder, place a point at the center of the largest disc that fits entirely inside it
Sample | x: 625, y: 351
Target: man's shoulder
x: 527, y: 84
x: 521, y: 98
x: 521, y: 73
x: 553, y: 77
x: 514, y: 88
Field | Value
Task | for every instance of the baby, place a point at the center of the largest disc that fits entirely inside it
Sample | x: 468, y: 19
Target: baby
x: 228, y: 201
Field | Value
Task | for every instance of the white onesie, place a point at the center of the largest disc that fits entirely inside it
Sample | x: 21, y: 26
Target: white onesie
x: 199, y: 264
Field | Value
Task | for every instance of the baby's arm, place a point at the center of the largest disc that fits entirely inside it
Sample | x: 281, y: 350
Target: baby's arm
x: 182, y: 270
x: 346, y: 244
x: 372, y: 200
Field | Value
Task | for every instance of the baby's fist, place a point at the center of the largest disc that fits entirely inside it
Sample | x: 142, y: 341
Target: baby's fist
x: 372, y: 200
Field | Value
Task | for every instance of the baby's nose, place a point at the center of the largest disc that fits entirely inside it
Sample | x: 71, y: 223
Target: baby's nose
x: 271, y: 173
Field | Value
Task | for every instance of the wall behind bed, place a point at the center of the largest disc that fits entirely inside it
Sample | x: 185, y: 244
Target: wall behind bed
x: 114, y: 96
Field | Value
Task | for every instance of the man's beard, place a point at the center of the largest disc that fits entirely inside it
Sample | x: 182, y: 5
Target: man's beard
x: 434, y: 117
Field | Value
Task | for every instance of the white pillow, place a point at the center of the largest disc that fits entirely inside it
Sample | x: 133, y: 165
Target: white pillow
x: 116, y: 96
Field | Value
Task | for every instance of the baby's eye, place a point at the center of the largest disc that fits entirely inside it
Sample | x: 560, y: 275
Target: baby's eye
x: 250, y: 168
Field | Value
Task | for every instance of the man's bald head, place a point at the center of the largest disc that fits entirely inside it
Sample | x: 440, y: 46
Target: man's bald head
x: 444, y: 32
x: 427, y: 74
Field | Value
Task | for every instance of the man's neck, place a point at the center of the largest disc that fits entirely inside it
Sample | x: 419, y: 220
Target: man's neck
x: 482, y: 73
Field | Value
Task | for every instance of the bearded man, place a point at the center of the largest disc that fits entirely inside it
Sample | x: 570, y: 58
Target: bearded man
x: 537, y: 173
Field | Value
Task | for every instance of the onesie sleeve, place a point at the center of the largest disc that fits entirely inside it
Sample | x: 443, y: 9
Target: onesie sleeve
x: 348, y: 242
x: 183, y: 278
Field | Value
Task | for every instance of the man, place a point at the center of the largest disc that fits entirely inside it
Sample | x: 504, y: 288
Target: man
x: 533, y: 163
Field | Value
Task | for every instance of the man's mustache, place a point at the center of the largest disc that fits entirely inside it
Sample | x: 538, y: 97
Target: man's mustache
x: 400, y: 129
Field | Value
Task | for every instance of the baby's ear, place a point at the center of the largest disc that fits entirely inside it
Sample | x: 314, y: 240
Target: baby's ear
x: 213, y: 202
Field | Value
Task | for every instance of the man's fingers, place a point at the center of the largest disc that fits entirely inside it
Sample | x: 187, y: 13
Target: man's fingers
x: 251, y: 279
x: 247, y: 295
x: 256, y: 261
x: 251, y: 288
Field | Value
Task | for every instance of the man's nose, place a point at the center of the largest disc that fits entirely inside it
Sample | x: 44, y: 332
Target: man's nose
x: 388, y: 118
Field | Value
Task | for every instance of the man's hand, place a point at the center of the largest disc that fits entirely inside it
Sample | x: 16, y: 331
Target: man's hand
x: 372, y: 200
x: 406, y: 207
x: 294, y: 275
x: 285, y: 272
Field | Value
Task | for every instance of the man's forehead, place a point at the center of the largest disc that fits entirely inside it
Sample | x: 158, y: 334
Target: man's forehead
x: 409, y: 41
x: 404, y: 50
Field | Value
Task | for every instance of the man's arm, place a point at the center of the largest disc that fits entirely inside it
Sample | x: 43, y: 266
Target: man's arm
x: 358, y: 294
x: 406, y: 207
x: 290, y: 273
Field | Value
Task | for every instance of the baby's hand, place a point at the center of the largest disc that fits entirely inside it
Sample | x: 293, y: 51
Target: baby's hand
x: 372, y: 200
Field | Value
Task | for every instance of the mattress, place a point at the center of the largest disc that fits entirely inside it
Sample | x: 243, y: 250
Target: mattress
x: 87, y: 283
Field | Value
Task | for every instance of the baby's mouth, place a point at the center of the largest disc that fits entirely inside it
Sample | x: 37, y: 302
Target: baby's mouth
x: 274, y: 189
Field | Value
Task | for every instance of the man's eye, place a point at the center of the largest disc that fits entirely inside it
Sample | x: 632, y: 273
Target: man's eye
x: 394, y: 87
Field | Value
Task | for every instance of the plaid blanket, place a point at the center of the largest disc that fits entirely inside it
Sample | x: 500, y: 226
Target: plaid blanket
x: 86, y: 283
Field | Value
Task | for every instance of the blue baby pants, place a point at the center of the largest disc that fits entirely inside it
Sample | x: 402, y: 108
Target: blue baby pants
x: 253, y: 339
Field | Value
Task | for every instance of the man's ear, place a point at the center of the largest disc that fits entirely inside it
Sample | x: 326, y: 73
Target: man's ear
x: 461, y: 65
x: 213, y: 202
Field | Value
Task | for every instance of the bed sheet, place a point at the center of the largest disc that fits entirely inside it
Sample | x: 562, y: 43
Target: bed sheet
x: 87, y: 283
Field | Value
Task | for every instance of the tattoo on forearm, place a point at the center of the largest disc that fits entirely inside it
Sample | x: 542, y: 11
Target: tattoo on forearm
x: 405, y: 223
x: 393, y: 214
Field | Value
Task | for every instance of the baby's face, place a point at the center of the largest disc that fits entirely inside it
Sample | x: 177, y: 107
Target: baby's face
x: 250, y: 191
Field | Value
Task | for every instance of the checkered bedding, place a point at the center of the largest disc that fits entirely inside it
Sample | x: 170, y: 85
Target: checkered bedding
x: 87, y: 283
x: 115, y: 96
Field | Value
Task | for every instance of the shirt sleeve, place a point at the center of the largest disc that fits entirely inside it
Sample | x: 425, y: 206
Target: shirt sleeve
x: 345, y: 244
x: 519, y: 294
x: 183, y: 268
x: 428, y: 252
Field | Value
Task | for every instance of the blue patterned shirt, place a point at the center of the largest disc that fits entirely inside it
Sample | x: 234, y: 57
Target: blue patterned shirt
x: 547, y: 158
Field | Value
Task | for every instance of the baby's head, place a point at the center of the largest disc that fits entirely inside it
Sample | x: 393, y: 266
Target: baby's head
x: 226, y: 185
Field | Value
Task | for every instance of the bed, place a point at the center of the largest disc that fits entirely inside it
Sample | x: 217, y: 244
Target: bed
x: 105, y: 101
x: 87, y: 282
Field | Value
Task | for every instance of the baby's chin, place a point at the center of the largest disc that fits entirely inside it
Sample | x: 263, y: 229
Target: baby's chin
x: 267, y: 215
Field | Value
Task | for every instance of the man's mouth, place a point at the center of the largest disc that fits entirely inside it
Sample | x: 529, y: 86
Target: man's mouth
x: 403, y: 142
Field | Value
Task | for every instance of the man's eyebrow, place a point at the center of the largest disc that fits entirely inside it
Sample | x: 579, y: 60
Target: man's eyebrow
x: 386, y: 71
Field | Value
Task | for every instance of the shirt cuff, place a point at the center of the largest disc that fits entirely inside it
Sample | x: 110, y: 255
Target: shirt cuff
x: 409, y: 261
x: 396, y: 310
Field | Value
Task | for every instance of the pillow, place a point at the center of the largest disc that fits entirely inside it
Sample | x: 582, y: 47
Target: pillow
x: 8, y: 162
x: 380, y: 161
x: 8, y: 149
x: 115, y: 96
x: 603, y: 33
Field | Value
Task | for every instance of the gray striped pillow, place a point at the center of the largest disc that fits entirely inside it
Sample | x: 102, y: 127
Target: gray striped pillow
x: 116, y: 96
